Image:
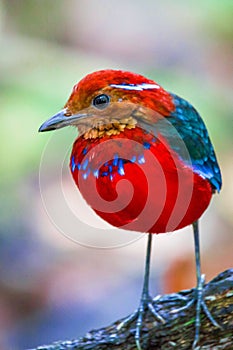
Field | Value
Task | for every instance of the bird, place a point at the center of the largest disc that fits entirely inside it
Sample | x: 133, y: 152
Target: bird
x: 144, y: 162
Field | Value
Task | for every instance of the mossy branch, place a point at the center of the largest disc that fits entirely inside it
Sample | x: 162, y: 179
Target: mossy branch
x: 177, y: 332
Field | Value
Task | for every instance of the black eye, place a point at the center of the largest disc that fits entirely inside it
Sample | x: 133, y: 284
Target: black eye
x: 101, y: 101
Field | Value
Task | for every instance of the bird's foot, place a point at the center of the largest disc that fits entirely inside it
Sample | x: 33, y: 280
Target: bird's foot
x: 199, y: 300
x: 146, y: 304
x: 201, y: 305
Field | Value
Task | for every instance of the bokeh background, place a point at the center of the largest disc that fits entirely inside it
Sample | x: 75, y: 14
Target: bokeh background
x: 50, y: 287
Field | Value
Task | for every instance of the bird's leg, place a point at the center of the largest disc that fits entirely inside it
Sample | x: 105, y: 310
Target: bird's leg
x: 199, y: 298
x: 146, y: 302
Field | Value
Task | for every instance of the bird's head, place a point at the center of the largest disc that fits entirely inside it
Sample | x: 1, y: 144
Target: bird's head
x: 108, y: 101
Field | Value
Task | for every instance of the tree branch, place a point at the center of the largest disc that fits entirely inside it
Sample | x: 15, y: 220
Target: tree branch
x: 177, y: 332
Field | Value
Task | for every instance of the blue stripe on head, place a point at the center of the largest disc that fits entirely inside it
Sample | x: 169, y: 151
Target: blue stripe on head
x: 135, y: 87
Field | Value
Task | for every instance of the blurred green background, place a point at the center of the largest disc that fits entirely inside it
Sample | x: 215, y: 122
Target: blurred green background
x: 50, y: 287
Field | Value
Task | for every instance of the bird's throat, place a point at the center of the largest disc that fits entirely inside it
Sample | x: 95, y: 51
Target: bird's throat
x: 107, y: 128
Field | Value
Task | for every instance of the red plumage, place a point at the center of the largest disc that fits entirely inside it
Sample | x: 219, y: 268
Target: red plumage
x: 167, y: 195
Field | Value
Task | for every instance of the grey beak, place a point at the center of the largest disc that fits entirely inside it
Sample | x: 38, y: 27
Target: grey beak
x: 60, y: 120
x: 55, y: 122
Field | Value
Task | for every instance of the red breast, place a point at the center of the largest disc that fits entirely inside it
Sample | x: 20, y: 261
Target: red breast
x: 136, y: 182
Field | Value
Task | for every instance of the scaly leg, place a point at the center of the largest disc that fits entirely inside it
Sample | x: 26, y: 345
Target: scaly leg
x: 146, y: 302
x: 199, y: 298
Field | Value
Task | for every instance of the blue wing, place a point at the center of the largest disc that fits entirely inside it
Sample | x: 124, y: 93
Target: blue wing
x: 193, y: 132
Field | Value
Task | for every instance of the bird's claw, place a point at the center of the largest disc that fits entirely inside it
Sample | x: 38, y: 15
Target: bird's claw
x: 201, y: 305
x: 145, y: 305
